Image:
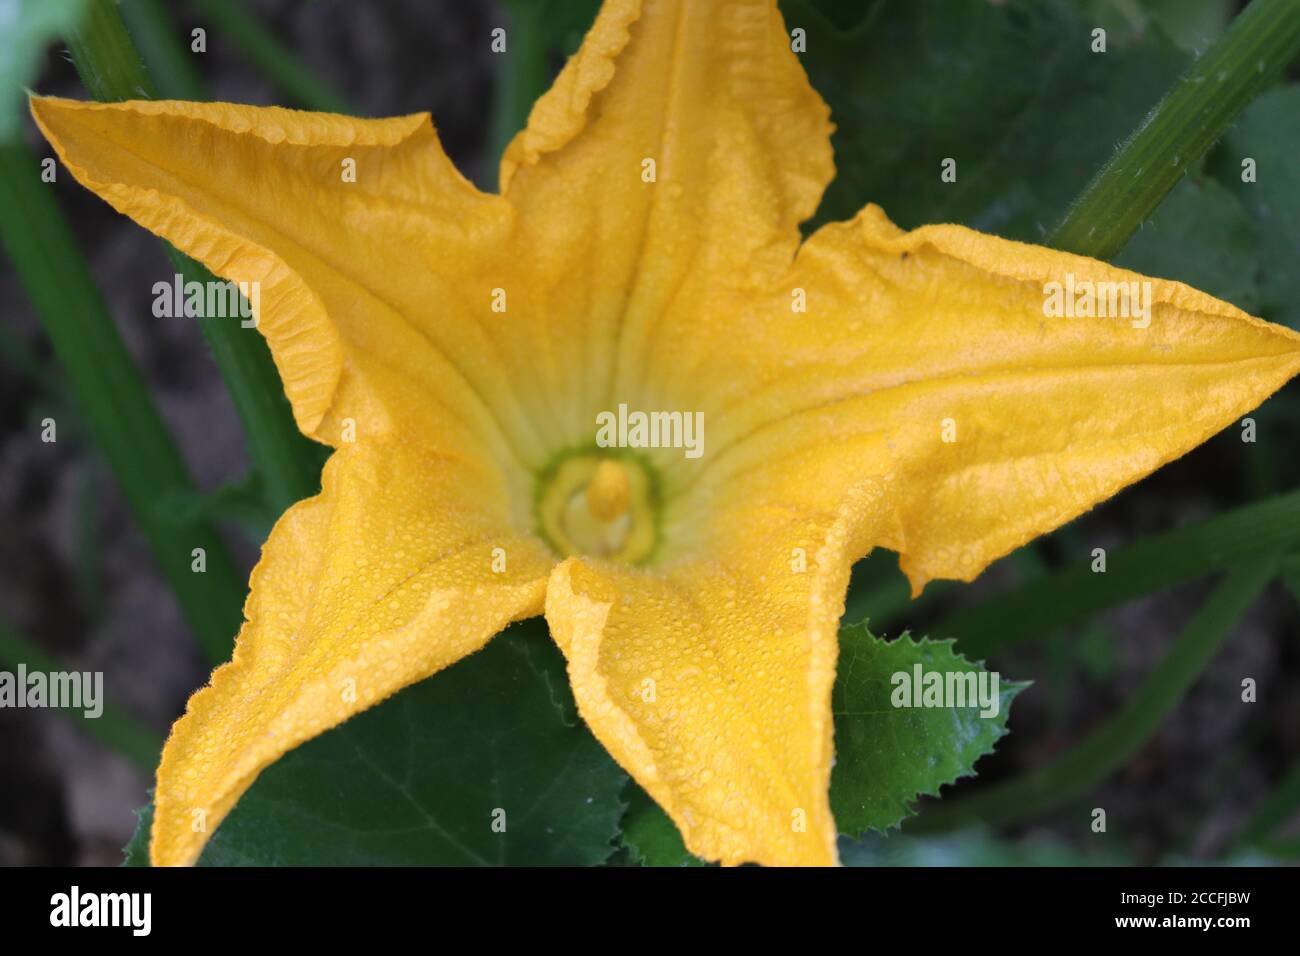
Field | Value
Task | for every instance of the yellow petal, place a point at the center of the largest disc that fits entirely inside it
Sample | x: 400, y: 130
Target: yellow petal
x: 679, y: 149
x: 1005, y: 422
x: 375, y: 296
x: 376, y: 261
x: 391, y: 574
x: 709, y: 679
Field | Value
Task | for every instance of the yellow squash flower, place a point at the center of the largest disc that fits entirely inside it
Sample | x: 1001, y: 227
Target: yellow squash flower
x: 463, y: 353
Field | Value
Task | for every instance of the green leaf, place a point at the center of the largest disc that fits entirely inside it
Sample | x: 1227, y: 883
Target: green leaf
x: 419, y: 779
x: 136, y: 851
x: 650, y: 835
x: 886, y: 755
x: 29, y: 27
x: 1200, y: 235
x: 1191, y: 24
x: 1269, y: 134
x: 1011, y: 91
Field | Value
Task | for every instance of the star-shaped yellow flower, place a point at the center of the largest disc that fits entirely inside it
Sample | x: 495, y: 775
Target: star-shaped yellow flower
x: 462, y: 352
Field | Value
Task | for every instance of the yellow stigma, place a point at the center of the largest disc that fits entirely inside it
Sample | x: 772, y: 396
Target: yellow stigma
x: 610, y: 491
x: 598, y: 506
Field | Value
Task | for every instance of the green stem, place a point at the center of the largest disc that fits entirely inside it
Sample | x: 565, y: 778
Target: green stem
x: 1274, y: 811
x: 105, y: 58
x: 1150, y: 564
x: 1249, y: 56
x: 113, y: 399
x: 114, y: 728
x: 167, y: 57
x: 294, y: 78
x: 1076, y: 772
x: 24, y: 361
x: 523, y: 71
x: 1284, y: 848
x: 289, y: 464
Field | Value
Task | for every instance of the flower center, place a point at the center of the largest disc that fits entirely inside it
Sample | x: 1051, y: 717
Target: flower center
x: 598, y: 505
